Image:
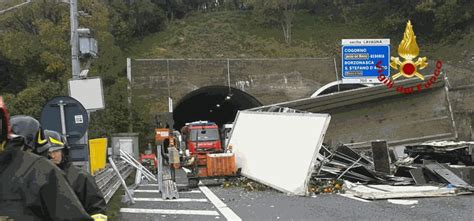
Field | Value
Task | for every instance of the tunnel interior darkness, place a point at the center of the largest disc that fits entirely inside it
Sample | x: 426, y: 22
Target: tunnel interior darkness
x: 218, y: 104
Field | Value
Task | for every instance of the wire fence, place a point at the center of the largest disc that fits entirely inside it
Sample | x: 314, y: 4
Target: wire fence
x: 268, y: 80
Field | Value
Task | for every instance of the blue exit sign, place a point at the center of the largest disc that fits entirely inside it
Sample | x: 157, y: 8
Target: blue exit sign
x: 359, y: 57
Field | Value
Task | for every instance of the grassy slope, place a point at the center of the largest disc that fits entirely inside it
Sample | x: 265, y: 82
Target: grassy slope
x: 239, y: 34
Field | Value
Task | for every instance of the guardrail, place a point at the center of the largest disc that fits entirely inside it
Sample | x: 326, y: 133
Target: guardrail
x: 108, y: 181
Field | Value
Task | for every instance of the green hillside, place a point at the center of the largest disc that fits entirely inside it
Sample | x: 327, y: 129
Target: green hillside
x: 240, y: 34
x: 237, y: 34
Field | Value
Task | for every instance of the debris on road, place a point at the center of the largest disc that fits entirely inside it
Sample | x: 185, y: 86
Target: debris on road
x: 378, y: 192
x: 403, y: 202
x: 412, y: 176
x: 326, y: 186
x: 245, y: 183
x: 443, y: 152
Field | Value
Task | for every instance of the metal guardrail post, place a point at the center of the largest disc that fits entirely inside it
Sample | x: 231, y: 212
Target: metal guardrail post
x: 111, y: 161
x: 129, y: 159
x: 160, y: 168
x: 138, y: 177
x: 149, y: 177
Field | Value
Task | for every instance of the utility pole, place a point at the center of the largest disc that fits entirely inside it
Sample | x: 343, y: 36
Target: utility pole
x: 76, y: 65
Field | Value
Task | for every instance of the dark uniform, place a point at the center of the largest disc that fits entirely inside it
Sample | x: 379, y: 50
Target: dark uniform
x: 32, y: 188
x: 82, y: 183
x: 86, y: 189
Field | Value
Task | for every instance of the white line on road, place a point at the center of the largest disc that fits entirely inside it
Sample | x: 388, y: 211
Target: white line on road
x: 157, y: 191
x: 171, y: 200
x: 226, y: 211
x: 146, y: 191
x: 191, y: 191
x: 355, y: 198
x: 168, y: 211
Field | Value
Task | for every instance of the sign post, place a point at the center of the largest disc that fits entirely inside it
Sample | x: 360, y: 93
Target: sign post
x: 359, y: 57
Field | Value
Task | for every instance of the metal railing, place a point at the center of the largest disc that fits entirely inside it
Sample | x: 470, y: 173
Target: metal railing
x: 108, y: 181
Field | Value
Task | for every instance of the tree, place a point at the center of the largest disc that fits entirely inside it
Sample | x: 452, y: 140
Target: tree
x: 35, y: 38
x: 31, y: 100
x: 282, y: 11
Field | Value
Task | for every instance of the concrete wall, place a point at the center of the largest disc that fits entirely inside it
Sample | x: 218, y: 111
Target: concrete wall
x: 281, y: 80
x: 268, y: 80
x: 461, y: 94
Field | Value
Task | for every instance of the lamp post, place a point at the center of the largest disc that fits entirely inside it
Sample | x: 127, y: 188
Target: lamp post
x: 76, y: 65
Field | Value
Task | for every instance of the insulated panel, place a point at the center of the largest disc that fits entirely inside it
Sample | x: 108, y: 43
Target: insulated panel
x: 278, y: 149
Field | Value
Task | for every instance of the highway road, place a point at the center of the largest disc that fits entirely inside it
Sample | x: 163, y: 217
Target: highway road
x: 217, y: 203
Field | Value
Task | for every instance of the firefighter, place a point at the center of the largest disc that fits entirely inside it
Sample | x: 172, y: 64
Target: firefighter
x: 82, y: 183
x: 31, y: 187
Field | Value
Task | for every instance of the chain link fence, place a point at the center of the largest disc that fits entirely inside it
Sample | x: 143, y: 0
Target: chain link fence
x: 268, y: 80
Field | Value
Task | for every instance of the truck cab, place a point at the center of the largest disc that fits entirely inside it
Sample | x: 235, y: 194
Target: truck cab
x: 201, y: 136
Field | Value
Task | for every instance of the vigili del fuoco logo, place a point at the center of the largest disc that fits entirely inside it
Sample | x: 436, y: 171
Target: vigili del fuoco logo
x: 409, y: 66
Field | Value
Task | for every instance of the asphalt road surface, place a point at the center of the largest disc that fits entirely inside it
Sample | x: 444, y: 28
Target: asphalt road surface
x: 217, y: 203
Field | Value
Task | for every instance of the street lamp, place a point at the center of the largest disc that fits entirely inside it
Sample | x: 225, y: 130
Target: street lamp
x: 82, y: 43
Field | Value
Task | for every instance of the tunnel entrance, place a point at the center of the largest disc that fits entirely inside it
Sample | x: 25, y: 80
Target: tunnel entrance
x: 218, y: 104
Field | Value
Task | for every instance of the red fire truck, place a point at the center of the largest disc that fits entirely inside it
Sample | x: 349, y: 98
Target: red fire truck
x: 207, y: 158
x: 148, y: 159
x: 201, y: 136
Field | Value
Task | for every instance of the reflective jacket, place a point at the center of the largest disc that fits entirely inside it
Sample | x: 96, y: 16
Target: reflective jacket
x: 32, y: 188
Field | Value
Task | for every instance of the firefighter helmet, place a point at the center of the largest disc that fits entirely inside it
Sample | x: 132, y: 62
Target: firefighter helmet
x: 55, y: 139
x: 31, y: 131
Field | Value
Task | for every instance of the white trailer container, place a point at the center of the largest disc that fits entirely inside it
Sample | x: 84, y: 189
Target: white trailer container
x: 278, y: 149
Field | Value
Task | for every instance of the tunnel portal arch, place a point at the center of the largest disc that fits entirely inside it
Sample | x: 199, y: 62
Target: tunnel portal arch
x: 215, y: 103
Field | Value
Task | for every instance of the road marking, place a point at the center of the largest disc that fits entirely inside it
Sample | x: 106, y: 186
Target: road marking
x: 168, y: 211
x: 146, y: 191
x: 355, y: 198
x: 157, y: 191
x: 170, y: 200
x: 226, y: 211
x: 191, y: 191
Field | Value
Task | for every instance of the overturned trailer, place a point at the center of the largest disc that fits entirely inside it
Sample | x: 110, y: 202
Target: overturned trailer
x: 362, y: 115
